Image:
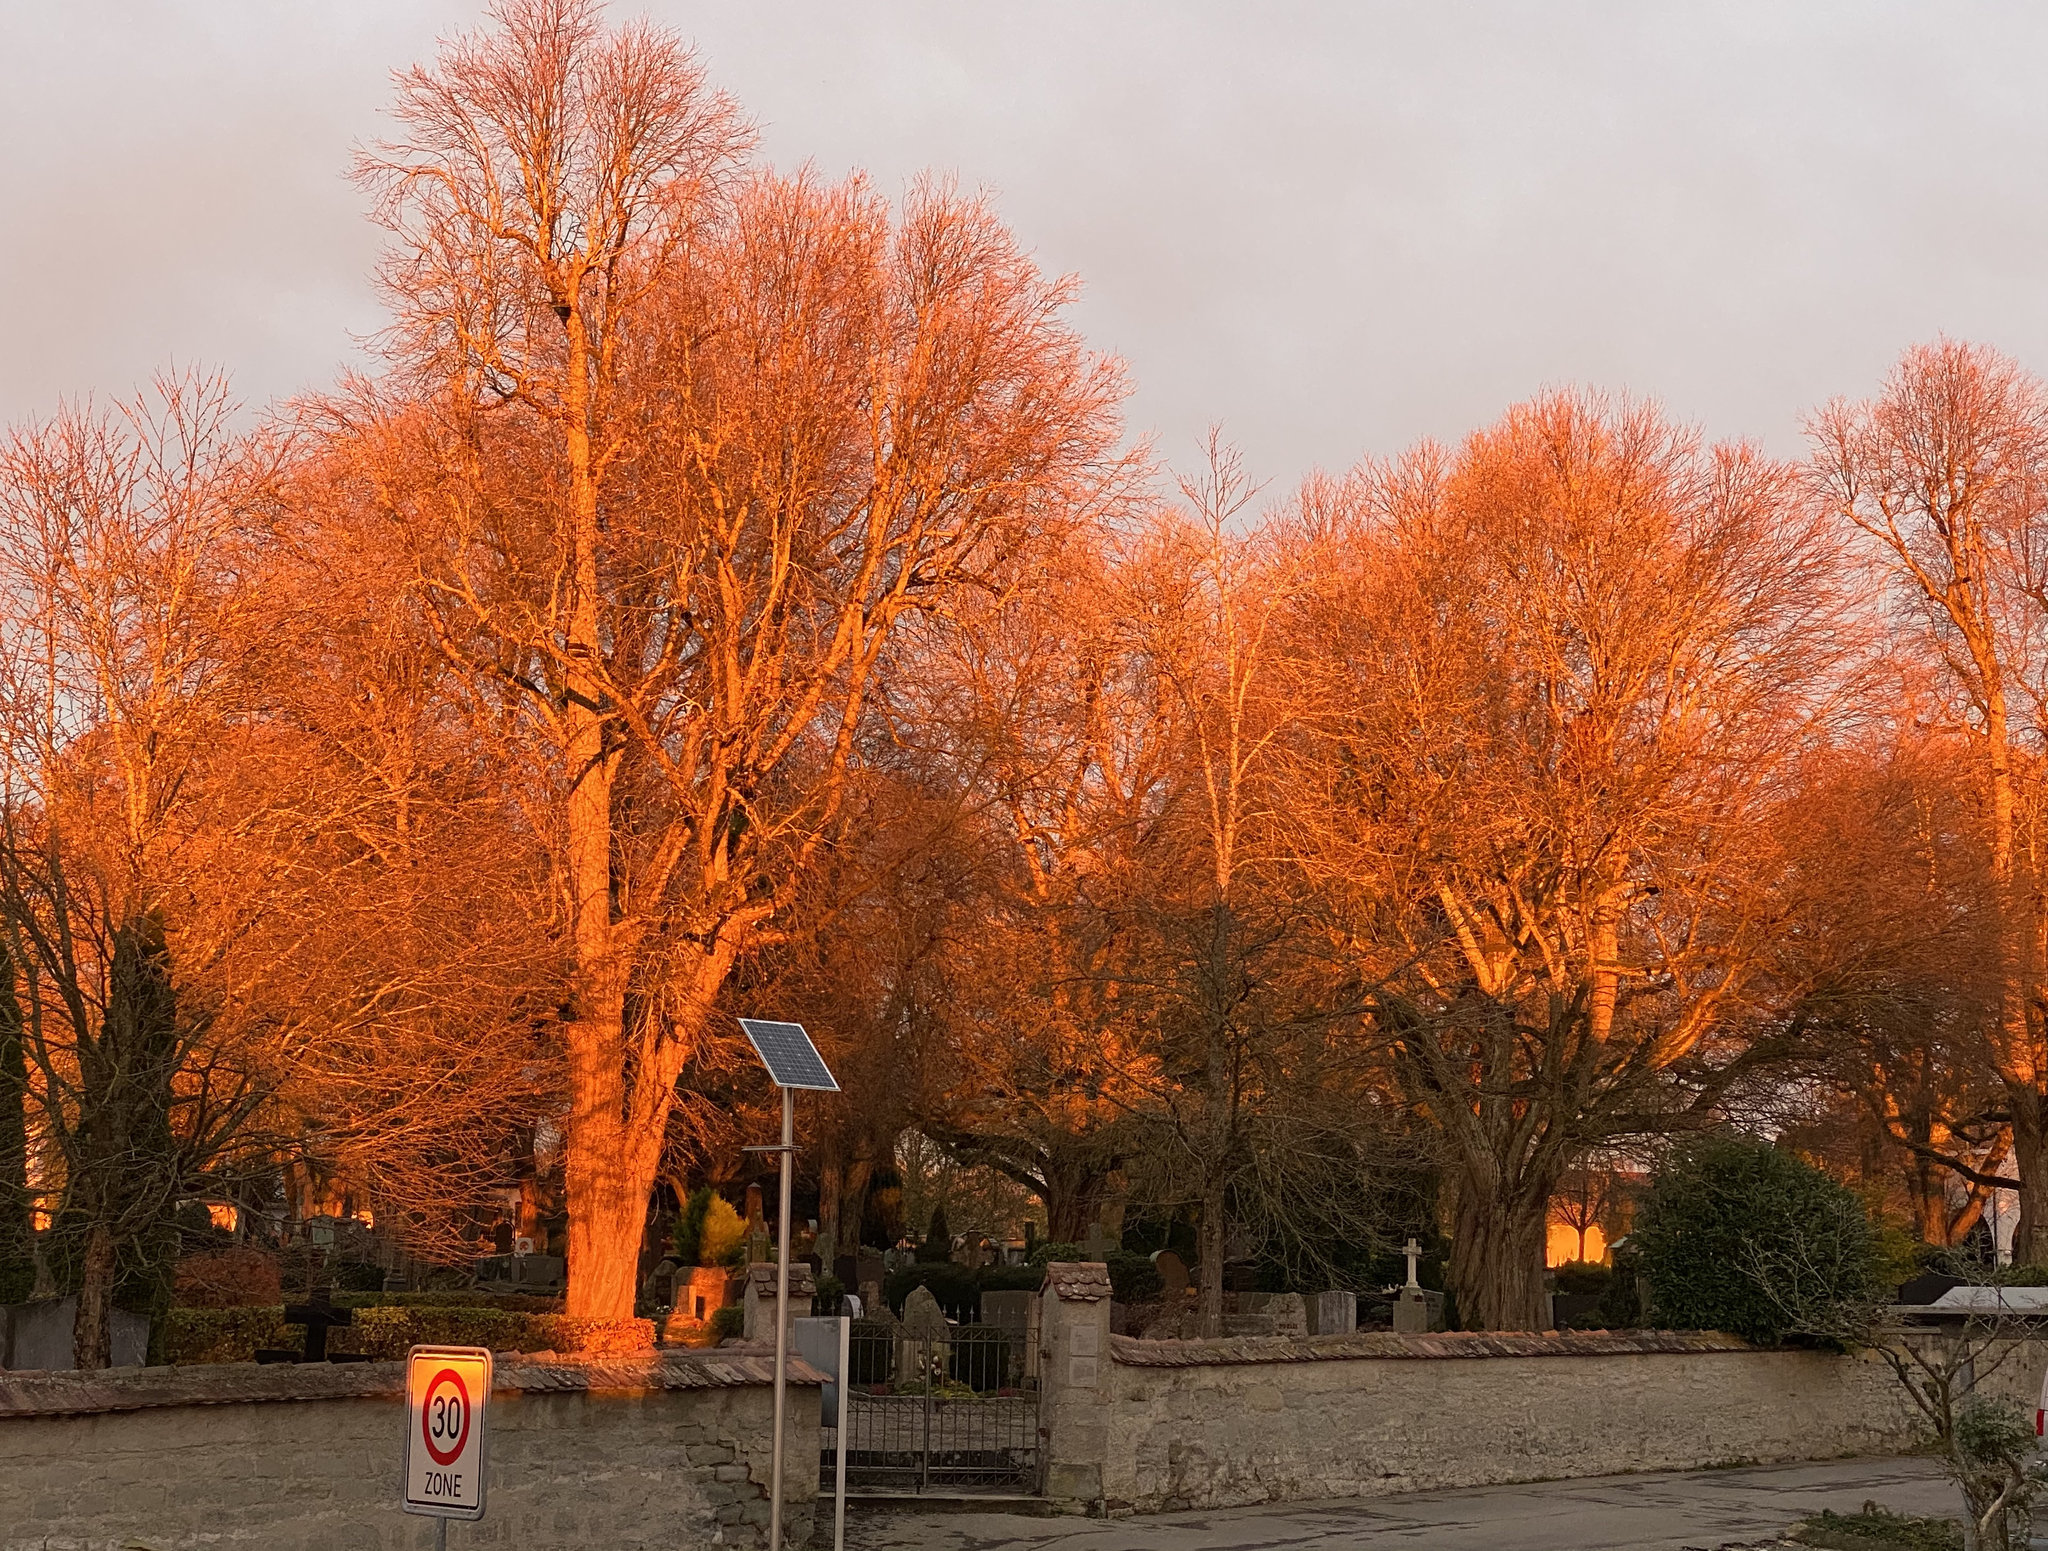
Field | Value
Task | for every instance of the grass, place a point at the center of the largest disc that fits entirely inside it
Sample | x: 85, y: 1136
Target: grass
x: 1878, y: 1529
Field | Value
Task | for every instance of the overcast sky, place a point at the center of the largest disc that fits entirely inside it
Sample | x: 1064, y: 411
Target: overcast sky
x: 1332, y: 228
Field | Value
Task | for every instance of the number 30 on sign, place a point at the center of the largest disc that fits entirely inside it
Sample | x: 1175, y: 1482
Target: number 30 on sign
x: 447, y: 1397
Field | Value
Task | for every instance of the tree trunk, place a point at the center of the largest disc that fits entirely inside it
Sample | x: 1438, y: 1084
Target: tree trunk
x: 2030, y: 1165
x: 1210, y: 1247
x: 1075, y: 1189
x: 853, y: 1202
x: 1496, y: 1265
x: 828, y: 1215
x: 92, y: 1334
x: 17, y: 1219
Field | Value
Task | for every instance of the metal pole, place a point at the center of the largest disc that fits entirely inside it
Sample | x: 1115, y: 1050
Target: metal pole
x: 440, y: 1535
x: 781, y: 1320
x: 845, y: 1383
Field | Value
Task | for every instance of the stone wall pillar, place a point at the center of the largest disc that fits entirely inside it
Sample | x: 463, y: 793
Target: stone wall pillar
x: 1074, y: 1381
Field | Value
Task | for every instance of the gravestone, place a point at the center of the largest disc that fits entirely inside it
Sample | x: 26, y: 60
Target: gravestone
x: 1173, y: 1276
x: 1414, y: 1314
x: 1016, y: 1314
x: 759, y: 1245
x: 39, y: 1335
x: 1098, y: 1244
x: 1290, y: 1314
x: 925, y: 1343
x: 1333, y: 1313
x: 868, y: 1273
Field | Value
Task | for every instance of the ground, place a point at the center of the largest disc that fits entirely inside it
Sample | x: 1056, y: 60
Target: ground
x: 1674, y: 1512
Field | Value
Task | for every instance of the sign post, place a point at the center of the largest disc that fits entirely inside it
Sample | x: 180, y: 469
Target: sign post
x: 447, y: 1403
x: 793, y: 1062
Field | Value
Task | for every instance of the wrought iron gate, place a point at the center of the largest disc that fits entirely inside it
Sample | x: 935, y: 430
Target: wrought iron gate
x: 930, y: 1414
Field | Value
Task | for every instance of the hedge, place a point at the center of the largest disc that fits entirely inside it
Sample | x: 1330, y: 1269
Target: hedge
x: 235, y: 1335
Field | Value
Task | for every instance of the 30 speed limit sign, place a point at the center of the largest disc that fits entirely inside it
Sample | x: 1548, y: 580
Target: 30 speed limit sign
x: 447, y: 1398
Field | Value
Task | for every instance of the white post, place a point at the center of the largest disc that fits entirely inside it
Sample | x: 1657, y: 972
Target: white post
x: 781, y: 1320
x: 839, y: 1483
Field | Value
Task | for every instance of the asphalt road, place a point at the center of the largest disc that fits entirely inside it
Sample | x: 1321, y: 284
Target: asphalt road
x: 1694, y: 1511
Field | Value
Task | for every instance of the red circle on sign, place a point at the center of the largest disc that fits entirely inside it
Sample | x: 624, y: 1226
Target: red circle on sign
x: 450, y: 1376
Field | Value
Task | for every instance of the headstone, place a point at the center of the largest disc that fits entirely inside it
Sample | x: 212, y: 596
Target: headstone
x: 1418, y: 1311
x: 759, y: 1244
x: 501, y: 1239
x: 1098, y: 1243
x: 1290, y: 1314
x: 1173, y: 1275
x: 1333, y: 1313
x: 924, y: 1344
x: 1411, y: 1314
x: 39, y: 1335
x: 1018, y: 1316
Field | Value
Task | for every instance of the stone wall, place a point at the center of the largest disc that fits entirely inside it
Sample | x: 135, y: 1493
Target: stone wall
x: 1151, y: 1425
x: 671, y: 1452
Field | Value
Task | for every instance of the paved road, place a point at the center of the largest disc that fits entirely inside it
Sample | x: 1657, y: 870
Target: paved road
x: 1700, y: 1509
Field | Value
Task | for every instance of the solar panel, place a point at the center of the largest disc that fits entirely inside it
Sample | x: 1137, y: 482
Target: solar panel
x: 786, y: 1050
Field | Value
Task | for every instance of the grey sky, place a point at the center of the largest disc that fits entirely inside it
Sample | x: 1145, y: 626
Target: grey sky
x: 1333, y: 228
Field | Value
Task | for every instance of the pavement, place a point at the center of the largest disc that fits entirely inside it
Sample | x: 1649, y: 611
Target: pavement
x: 1690, y: 1511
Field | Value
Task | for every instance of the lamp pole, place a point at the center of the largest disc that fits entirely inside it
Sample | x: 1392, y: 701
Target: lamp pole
x: 788, y: 1150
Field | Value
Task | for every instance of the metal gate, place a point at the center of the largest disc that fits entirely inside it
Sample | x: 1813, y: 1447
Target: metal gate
x: 930, y: 1414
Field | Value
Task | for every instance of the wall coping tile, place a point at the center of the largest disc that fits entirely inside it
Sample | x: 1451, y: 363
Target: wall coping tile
x: 43, y: 1394
x: 1078, y: 1281
x: 1132, y: 1351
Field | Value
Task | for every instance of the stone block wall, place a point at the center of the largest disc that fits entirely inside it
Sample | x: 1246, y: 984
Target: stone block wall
x: 670, y: 1452
x: 1158, y: 1425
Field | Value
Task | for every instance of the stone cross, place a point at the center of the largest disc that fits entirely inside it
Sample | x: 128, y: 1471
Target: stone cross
x: 1414, y: 1253
x: 1098, y: 1244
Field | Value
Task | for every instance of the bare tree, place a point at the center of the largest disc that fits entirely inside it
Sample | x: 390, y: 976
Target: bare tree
x: 1946, y: 474
x: 1558, y: 677
x: 122, y: 684
x: 689, y: 451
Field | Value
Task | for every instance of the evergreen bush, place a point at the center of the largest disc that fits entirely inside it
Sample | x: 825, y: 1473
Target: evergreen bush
x: 1736, y: 1234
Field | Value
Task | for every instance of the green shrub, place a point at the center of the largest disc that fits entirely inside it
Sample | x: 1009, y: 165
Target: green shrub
x: 1011, y: 1278
x: 688, y: 1236
x: 938, y: 1238
x: 1060, y: 1249
x: 728, y: 1323
x: 1878, y: 1529
x: 385, y: 1332
x: 1621, y: 1303
x: 226, y: 1335
x: 1582, y: 1278
x: 1739, y: 1236
x: 1132, y: 1277
x: 514, y: 1303
x: 724, y: 1239
x: 956, y: 1288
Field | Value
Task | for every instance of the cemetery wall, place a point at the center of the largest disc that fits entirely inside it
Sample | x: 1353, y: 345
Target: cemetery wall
x: 671, y: 1451
x: 1206, y: 1424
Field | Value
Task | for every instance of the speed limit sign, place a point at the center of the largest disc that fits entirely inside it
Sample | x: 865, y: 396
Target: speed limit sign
x: 447, y: 1398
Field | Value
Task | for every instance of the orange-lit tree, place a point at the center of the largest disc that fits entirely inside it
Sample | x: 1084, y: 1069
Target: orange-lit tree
x: 123, y: 677
x: 1558, y: 677
x: 1945, y: 475
x: 681, y: 449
